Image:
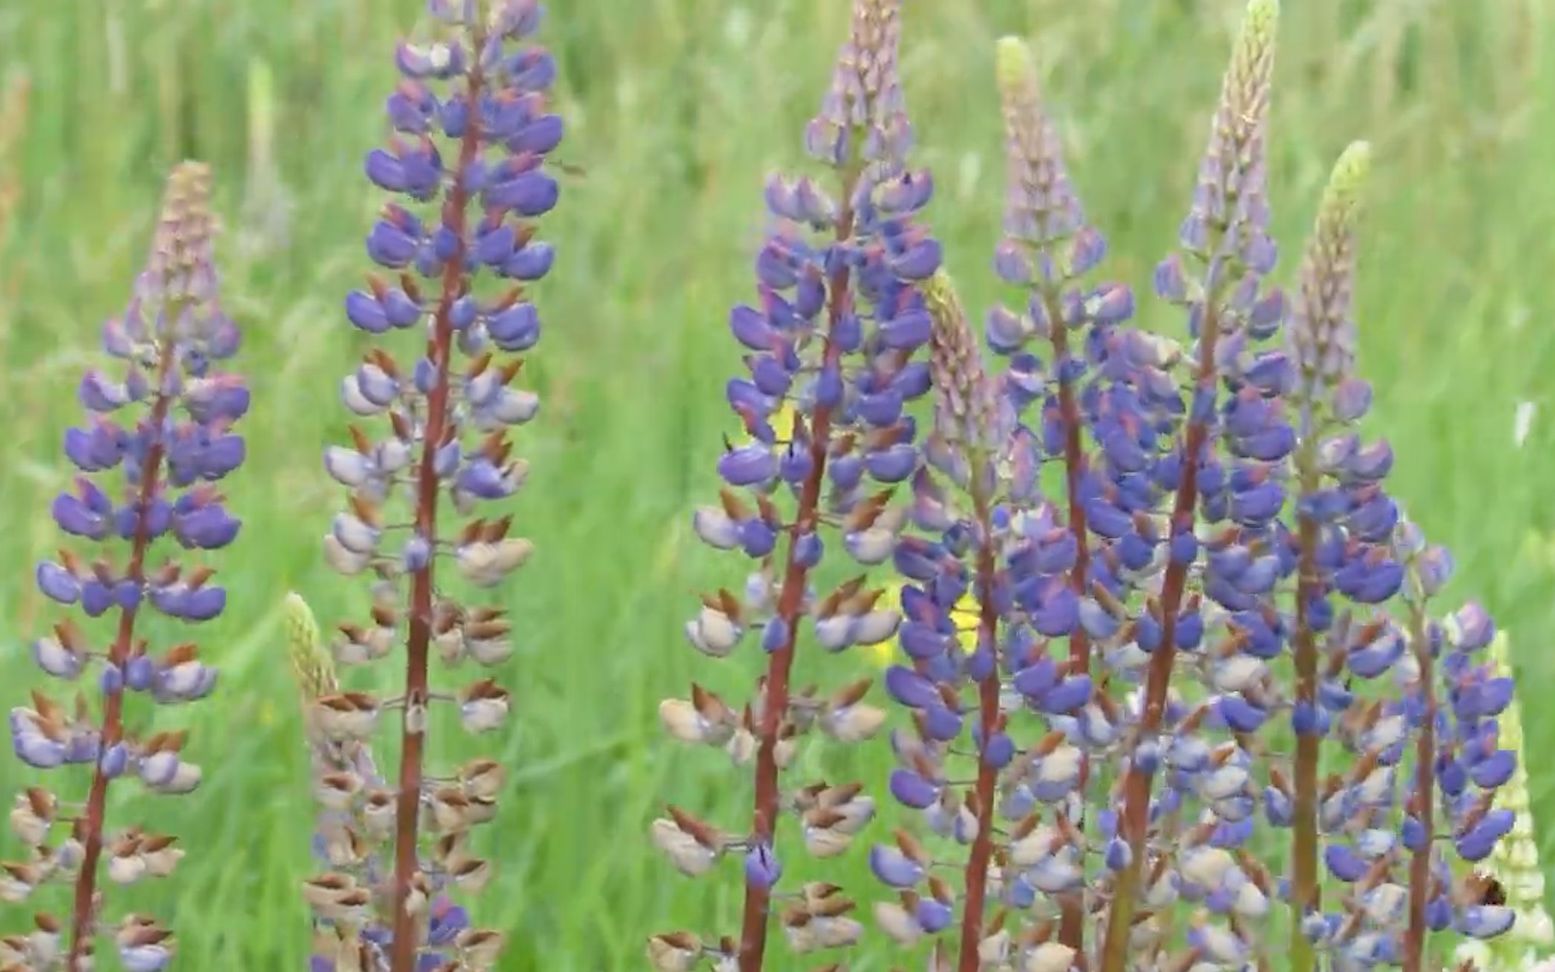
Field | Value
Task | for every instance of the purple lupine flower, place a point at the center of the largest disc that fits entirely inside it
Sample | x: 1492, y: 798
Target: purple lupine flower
x: 1202, y: 507
x: 994, y: 541
x: 832, y: 365
x: 1426, y: 762
x: 1368, y: 826
x: 1232, y: 399
x: 1048, y: 251
x: 471, y: 131
x: 1125, y: 431
x: 157, y: 437
x: 1343, y: 526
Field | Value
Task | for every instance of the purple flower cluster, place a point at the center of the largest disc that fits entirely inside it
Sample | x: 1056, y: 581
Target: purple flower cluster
x: 832, y: 365
x: 156, y: 441
x: 1170, y: 682
x: 1416, y: 801
x: 989, y: 537
x: 1181, y: 601
x: 471, y: 131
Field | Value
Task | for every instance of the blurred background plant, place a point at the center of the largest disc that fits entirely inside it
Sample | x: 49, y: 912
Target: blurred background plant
x: 672, y: 105
x: 1530, y: 944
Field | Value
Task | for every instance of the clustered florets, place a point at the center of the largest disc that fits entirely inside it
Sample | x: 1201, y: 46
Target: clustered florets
x: 1220, y: 557
x: 471, y: 133
x: 1150, y: 608
x: 833, y: 357
x: 167, y: 461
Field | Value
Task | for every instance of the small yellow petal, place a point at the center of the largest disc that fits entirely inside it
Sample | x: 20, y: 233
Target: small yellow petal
x: 782, y: 422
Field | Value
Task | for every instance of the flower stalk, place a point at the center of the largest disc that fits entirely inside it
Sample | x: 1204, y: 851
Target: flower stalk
x: 1424, y: 797
x: 967, y: 424
x: 1038, y: 191
x: 480, y: 87
x: 171, y: 457
x: 428, y: 492
x: 1227, y: 233
x: 1327, y: 395
x: 831, y: 345
x: 755, y: 914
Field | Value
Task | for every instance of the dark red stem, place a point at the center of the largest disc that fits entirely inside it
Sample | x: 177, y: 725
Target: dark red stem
x: 1071, y: 928
x: 987, y: 774
x: 406, y: 943
x: 1135, y: 823
x: 753, y: 925
x: 1304, y: 850
x: 83, y: 911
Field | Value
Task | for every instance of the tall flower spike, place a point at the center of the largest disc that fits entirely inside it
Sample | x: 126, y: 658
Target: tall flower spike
x: 984, y: 534
x: 355, y: 811
x: 1048, y: 250
x: 832, y: 344
x: 1321, y: 339
x: 471, y: 131
x: 1225, y: 242
x: 1453, y: 701
x: 146, y: 478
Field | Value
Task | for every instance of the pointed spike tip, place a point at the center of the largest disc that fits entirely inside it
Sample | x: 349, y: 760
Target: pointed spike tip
x: 1261, y: 14
x: 311, y: 662
x: 1350, y: 173
x: 1013, y: 64
x: 939, y: 291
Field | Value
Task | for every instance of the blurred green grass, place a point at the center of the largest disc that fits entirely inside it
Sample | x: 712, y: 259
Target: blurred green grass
x: 677, y: 109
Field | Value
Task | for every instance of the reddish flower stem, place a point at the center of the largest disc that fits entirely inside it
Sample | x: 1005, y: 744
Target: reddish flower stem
x: 987, y: 775
x: 1305, y: 891
x: 753, y: 926
x: 83, y: 911
x: 1071, y: 927
x: 1135, y: 823
x: 413, y: 736
x: 1074, y: 468
x: 1425, y: 798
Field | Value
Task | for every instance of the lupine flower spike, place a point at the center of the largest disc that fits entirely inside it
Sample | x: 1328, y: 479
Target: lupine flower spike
x: 983, y: 529
x: 1408, y: 855
x: 834, y: 335
x: 147, y: 480
x: 1048, y: 250
x: 1218, y: 279
x: 1378, y: 847
x: 471, y: 133
x: 1328, y: 397
x: 1513, y: 870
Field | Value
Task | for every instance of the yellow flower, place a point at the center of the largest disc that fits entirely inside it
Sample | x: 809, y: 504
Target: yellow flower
x: 965, y: 616
x: 782, y: 422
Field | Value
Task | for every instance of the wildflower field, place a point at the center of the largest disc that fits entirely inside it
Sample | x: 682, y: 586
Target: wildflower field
x: 676, y: 113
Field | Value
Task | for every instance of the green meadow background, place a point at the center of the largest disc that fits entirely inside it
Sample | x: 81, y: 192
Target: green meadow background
x: 677, y: 110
